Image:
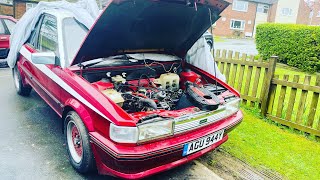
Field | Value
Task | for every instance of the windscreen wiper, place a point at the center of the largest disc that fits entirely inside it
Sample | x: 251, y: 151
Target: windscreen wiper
x: 98, y: 61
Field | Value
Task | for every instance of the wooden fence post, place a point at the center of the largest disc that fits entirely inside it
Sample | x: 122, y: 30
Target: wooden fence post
x: 267, y: 84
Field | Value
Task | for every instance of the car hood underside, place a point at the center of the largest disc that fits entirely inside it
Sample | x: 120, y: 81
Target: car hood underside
x: 169, y: 27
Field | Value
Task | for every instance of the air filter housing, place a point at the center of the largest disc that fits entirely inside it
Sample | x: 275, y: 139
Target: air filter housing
x: 202, y: 97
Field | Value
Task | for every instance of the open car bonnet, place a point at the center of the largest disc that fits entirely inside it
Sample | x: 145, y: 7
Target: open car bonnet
x: 136, y: 26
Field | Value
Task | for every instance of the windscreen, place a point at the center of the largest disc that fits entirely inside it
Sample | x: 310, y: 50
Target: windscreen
x: 74, y: 33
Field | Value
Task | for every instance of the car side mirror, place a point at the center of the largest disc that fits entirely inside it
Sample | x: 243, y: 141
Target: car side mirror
x: 43, y: 58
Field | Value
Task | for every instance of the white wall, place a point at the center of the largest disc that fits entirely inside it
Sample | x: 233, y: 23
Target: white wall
x: 261, y: 18
x: 292, y: 4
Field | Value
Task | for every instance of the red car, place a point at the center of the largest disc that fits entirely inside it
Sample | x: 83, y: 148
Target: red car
x: 131, y: 105
x: 7, y: 24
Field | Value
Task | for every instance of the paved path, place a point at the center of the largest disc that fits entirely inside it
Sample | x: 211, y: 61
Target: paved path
x: 32, y: 145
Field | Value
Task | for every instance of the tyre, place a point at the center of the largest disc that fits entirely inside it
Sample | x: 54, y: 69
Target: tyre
x: 21, y: 89
x: 77, y: 144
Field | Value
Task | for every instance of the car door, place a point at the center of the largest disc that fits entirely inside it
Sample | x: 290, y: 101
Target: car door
x: 4, y: 39
x: 41, y: 76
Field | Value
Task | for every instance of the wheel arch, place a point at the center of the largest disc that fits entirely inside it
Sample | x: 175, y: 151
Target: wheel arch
x: 74, y: 105
x: 22, y: 73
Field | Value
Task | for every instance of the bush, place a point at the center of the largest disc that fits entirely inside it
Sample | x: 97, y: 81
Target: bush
x: 296, y: 45
x: 237, y: 33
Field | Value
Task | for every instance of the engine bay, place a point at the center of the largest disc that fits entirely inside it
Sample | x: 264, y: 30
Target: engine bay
x: 171, y: 93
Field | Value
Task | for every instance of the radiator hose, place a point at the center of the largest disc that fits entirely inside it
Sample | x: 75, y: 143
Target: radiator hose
x: 149, y: 102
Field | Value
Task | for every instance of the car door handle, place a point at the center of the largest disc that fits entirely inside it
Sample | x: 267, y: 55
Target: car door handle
x: 3, y: 38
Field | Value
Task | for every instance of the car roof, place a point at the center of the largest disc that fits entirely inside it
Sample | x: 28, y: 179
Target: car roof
x: 60, y: 14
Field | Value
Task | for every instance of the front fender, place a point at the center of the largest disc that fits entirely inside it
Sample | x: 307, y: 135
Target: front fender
x: 82, y: 111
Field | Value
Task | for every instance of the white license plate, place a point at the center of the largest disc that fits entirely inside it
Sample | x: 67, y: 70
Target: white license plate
x: 202, y: 143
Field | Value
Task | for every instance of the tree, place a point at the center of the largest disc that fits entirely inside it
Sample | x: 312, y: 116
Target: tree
x: 310, y: 5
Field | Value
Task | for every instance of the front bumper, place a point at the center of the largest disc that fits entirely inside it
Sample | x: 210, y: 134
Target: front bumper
x: 147, y: 159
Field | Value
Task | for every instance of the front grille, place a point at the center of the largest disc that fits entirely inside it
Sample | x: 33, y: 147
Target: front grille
x: 200, y: 119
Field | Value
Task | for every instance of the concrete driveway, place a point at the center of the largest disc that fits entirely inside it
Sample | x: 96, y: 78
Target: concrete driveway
x: 32, y: 145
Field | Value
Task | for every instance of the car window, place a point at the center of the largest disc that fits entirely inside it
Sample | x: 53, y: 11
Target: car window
x: 33, y: 39
x: 73, y: 33
x: 2, y: 29
x: 10, y: 25
x: 48, y: 36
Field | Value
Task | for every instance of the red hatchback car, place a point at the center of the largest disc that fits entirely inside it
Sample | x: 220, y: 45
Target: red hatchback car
x: 7, y: 24
x: 131, y: 105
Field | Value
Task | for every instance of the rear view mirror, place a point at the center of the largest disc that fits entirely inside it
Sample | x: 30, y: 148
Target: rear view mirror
x: 43, y: 58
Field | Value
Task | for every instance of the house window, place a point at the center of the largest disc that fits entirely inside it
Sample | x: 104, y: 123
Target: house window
x: 286, y: 12
x: 262, y: 8
x: 30, y: 5
x: 240, y: 6
x: 237, y: 24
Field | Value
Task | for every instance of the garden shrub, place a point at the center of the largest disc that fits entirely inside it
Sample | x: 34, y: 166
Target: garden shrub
x: 295, y: 45
x: 237, y: 33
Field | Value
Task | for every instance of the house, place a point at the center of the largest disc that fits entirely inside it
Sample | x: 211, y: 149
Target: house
x: 242, y: 16
x: 311, y: 9
x: 239, y: 19
x: 296, y: 12
x: 15, y: 8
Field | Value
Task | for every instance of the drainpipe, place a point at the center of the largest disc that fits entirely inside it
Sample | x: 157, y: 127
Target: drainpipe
x: 14, y: 8
x: 254, y: 22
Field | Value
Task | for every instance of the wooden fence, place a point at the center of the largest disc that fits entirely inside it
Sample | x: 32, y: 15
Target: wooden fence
x: 287, y: 100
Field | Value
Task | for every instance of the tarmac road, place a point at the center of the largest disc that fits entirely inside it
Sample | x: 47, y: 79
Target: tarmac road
x: 247, y: 46
x: 32, y: 144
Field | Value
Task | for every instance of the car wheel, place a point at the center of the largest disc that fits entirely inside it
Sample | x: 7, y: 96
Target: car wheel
x: 77, y: 144
x: 21, y: 89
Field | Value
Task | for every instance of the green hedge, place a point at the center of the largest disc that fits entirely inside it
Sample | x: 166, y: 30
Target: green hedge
x: 296, y: 45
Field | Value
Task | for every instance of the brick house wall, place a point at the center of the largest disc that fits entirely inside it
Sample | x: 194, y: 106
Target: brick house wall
x: 223, y: 24
x: 303, y: 13
x: 20, y: 9
x: 16, y: 10
x: 273, y: 12
x: 6, y: 9
x: 316, y: 14
x: 300, y: 15
x: 315, y: 20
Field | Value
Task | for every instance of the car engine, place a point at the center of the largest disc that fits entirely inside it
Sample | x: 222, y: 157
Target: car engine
x: 169, y: 91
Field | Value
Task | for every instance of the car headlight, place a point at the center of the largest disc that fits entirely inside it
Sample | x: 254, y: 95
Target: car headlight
x: 143, y: 132
x: 155, y: 130
x: 233, y: 106
x: 123, y: 134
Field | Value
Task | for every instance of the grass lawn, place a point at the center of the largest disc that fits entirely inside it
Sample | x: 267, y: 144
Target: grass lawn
x: 264, y: 145
x: 218, y: 39
x: 281, y: 70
